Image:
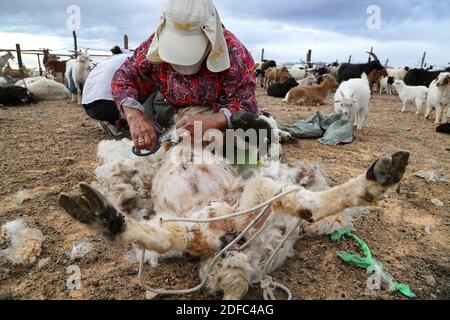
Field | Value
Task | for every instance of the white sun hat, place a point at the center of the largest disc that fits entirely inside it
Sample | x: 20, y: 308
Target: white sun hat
x: 185, y: 30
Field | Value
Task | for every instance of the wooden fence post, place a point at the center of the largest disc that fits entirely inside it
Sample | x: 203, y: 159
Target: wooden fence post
x: 422, y: 64
x: 125, y: 42
x: 19, y: 59
x: 308, y: 58
x: 75, y: 43
x: 350, y: 59
x: 262, y: 55
x: 39, y: 64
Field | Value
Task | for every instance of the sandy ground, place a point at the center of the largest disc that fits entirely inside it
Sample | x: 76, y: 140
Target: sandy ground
x: 50, y: 147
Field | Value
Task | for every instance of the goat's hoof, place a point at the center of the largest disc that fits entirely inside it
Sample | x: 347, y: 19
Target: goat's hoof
x: 389, y: 170
x: 90, y: 207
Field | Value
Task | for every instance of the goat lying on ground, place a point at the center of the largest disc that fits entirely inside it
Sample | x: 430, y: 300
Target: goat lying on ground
x: 45, y: 89
x: 4, y: 60
x: 444, y: 128
x: 411, y: 94
x: 313, y: 95
x: 439, y: 97
x: 14, y: 96
x: 298, y: 71
x: 352, y: 99
x: 15, y: 73
x: 308, y: 81
x: 174, y: 186
x: 280, y: 89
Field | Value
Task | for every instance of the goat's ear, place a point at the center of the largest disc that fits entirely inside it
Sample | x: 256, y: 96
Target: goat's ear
x: 353, y: 94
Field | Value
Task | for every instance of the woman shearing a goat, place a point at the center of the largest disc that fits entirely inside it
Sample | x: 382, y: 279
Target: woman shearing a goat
x: 203, y: 71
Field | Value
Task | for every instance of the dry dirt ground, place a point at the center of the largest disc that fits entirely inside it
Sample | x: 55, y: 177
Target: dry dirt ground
x: 50, y: 147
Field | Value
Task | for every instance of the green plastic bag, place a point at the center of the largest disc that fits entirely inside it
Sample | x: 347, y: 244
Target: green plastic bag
x: 368, y: 262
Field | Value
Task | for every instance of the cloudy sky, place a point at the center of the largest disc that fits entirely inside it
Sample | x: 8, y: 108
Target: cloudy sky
x: 333, y: 29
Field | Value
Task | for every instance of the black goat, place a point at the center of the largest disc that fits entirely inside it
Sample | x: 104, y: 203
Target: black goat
x: 421, y: 77
x: 351, y: 71
x: 15, y: 95
x: 444, y: 128
x: 280, y: 89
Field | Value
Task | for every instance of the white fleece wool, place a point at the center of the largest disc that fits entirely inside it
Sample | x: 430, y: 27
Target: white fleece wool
x: 24, y: 242
x: 46, y: 89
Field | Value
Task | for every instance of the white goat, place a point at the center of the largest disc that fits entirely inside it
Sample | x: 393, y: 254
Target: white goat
x: 398, y: 73
x: 79, y: 69
x: 138, y: 186
x: 308, y: 81
x: 439, y: 97
x: 352, y: 99
x: 45, y: 89
x: 298, y: 71
x: 411, y: 94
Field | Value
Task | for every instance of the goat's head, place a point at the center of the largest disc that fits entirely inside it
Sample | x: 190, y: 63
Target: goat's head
x: 9, y: 55
x: 398, y: 83
x: 443, y: 79
x: 268, y: 64
x: 375, y: 65
x: 346, y: 103
x: 329, y: 81
x: 390, y: 80
x: 83, y: 56
x: 406, y: 69
x: 292, y: 82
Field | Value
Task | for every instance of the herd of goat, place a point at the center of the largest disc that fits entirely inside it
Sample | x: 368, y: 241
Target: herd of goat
x: 19, y: 87
x: 355, y: 83
x: 298, y: 84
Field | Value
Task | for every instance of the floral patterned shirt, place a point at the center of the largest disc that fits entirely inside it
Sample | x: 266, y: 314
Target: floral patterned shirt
x: 232, y: 90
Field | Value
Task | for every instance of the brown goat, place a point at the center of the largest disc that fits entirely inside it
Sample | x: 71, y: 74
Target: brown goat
x: 16, y: 73
x: 375, y: 76
x: 313, y: 95
x: 53, y: 65
x: 275, y: 75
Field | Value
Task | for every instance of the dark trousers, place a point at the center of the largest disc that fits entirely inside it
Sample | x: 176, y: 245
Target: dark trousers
x: 103, y: 110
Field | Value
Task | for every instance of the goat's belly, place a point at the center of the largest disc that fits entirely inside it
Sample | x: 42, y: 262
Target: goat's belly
x: 182, y: 185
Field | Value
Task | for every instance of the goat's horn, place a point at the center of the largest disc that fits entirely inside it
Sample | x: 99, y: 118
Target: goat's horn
x: 373, y: 55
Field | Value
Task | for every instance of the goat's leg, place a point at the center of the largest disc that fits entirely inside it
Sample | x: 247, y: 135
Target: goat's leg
x: 404, y: 106
x: 444, y: 114
x: 429, y: 108
x: 78, y: 93
x: 365, y: 190
x: 90, y: 207
x: 438, y: 113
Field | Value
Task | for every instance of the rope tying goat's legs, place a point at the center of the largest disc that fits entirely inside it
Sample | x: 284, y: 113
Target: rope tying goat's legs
x: 266, y: 282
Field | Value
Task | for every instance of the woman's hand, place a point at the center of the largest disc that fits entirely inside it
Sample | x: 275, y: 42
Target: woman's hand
x: 143, y: 131
x: 212, y: 121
